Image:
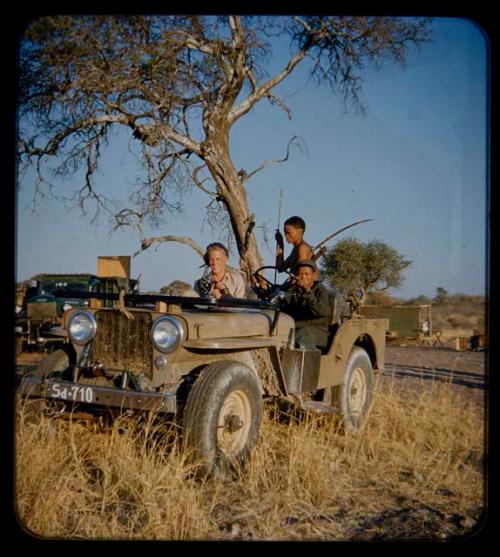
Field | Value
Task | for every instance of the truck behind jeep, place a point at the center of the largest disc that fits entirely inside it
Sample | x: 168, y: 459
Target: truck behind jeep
x: 208, y: 364
x: 39, y: 311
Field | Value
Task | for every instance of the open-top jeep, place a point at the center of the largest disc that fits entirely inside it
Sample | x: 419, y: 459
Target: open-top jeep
x: 208, y: 363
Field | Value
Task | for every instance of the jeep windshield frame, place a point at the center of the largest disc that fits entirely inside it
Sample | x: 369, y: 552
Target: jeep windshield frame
x: 135, y: 299
x: 145, y: 300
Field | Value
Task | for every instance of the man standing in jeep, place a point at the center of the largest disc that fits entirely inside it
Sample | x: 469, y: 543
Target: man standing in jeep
x: 294, y: 229
x: 311, y: 305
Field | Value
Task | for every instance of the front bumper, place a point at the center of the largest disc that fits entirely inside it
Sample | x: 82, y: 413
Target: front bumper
x: 97, y: 396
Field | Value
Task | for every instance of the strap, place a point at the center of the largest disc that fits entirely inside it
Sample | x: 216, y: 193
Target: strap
x: 121, y: 306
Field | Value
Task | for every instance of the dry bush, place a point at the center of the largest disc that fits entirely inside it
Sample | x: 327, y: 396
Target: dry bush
x: 462, y: 315
x: 421, y: 453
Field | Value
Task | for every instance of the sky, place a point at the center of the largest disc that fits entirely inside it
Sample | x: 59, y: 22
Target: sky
x: 416, y: 161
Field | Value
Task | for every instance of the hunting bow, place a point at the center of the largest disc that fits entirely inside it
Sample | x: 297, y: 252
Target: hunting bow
x: 279, y: 219
x: 321, y: 251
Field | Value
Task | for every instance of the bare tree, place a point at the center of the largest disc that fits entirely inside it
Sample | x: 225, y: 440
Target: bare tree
x: 178, y: 85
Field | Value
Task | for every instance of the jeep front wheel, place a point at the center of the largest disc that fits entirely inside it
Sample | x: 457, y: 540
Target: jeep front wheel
x: 222, y: 416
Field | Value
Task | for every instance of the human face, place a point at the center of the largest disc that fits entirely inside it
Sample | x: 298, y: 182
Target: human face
x: 306, y: 277
x: 293, y: 235
x: 217, y: 262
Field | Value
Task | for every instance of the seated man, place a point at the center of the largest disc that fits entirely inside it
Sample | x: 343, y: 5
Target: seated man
x: 311, y: 306
x: 218, y: 281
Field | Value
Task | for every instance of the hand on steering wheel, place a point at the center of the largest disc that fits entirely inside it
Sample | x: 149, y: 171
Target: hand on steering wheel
x: 271, y: 288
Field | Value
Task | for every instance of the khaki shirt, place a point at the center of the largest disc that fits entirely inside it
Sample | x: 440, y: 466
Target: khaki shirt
x: 233, y: 281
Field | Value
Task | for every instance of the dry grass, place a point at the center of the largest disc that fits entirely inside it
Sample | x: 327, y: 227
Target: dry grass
x: 415, y: 472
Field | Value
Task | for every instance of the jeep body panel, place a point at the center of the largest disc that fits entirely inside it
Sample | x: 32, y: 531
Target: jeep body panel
x: 210, y: 335
x: 367, y: 333
x: 100, y: 395
x: 223, y: 324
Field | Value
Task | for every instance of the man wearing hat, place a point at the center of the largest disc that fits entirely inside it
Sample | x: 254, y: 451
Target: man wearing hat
x: 311, y: 306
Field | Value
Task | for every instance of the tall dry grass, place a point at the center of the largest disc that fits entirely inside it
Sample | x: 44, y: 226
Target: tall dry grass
x: 416, y: 471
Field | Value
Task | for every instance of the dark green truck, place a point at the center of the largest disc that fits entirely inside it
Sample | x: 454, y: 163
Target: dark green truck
x: 39, y: 311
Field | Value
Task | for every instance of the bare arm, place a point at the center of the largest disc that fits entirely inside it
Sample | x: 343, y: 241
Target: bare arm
x: 280, y: 263
x: 304, y: 251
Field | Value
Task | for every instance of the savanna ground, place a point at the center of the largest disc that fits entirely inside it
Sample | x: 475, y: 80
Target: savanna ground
x: 416, y: 472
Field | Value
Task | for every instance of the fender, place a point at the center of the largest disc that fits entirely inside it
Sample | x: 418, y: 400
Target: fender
x: 367, y: 333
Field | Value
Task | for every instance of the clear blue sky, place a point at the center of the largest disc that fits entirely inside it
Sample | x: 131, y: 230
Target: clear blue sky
x: 416, y: 162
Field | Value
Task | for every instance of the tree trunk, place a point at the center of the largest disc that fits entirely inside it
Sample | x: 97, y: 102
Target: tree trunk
x: 234, y: 196
x: 362, y: 299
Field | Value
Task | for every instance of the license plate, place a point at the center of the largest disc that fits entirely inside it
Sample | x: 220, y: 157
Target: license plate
x: 74, y: 393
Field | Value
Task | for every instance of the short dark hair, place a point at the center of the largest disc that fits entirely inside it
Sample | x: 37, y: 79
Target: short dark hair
x: 213, y: 246
x: 296, y: 222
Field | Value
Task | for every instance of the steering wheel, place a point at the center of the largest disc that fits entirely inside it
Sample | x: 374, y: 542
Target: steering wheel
x: 271, y: 288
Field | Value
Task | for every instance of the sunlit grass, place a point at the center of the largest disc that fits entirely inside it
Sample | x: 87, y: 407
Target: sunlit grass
x: 306, y: 479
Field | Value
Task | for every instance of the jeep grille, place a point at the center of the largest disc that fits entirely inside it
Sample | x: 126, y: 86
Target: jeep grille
x: 122, y: 343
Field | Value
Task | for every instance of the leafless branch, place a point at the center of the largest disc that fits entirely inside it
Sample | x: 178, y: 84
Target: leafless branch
x: 245, y: 177
x: 275, y: 100
x: 148, y: 242
x: 132, y: 218
x: 262, y: 91
x: 199, y: 182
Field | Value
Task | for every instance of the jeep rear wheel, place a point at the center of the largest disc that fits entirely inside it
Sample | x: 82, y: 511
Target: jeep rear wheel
x: 354, y: 396
x: 222, y: 416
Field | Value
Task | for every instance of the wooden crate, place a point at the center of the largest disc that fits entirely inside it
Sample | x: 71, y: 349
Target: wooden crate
x: 113, y: 266
x: 478, y: 342
x: 461, y: 343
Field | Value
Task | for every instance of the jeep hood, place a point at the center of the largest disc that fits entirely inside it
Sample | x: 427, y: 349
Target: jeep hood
x: 234, y: 323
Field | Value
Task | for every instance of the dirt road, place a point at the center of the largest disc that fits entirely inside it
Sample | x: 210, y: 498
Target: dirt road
x: 417, y: 366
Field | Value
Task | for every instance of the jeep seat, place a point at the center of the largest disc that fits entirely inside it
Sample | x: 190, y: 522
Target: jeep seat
x: 337, y: 301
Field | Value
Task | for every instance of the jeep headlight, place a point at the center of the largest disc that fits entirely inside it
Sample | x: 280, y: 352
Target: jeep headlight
x: 167, y: 333
x: 81, y: 327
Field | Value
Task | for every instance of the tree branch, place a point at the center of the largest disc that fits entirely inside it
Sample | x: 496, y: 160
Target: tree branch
x: 52, y: 146
x: 236, y: 30
x: 199, y: 182
x: 143, y: 132
x: 264, y: 89
x: 273, y: 99
x: 148, y: 242
x: 169, y: 133
x: 245, y: 177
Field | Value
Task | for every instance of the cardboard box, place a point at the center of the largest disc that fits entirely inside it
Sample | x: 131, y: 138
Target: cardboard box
x: 113, y: 266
